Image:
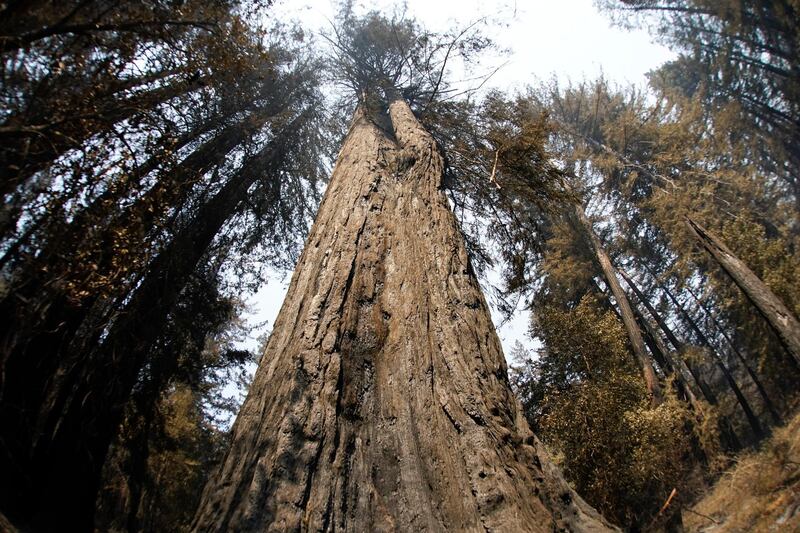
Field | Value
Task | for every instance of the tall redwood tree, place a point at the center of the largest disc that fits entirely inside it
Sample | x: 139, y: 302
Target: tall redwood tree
x: 382, y: 400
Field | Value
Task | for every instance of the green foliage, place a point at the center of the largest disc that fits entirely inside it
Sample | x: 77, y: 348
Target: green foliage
x: 568, y: 265
x: 182, y: 463
x: 379, y: 56
x: 501, y: 180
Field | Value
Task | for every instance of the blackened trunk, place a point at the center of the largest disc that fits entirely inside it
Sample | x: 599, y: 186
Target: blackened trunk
x: 708, y: 394
x: 671, y: 363
x: 773, y: 411
x: 84, y: 402
x: 683, y: 373
x: 752, y: 419
x: 45, y: 347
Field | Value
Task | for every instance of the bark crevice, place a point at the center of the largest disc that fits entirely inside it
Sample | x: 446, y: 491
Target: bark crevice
x: 408, y: 424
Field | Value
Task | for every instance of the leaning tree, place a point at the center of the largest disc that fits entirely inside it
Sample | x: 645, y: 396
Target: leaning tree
x: 382, y: 400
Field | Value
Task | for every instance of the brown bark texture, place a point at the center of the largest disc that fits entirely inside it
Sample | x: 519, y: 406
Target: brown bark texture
x: 382, y: 402
x: 782, y: 321
x: 628, y: 318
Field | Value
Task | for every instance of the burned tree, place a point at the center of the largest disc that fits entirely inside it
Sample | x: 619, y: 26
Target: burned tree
x: 382, y: 400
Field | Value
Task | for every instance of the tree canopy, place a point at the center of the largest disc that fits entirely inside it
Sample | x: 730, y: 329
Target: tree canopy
x: 160, y: 160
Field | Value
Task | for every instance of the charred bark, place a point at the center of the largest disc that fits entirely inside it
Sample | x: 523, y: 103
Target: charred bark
x: 752, y: 419
x: 382, y: 401
x: 768, y: 403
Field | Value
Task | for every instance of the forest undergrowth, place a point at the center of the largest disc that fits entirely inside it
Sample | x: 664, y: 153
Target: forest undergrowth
x: 759, y: 493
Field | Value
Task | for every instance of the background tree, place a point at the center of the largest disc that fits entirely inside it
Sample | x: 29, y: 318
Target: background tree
x: 642, y: 173
x: 587, y: 398
x: 171, y: 436
x: 629, y: 153
x: 738, y: 56
x: 123, y: 205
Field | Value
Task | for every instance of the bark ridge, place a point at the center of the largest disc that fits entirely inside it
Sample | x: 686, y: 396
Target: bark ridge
x: 382, y: 401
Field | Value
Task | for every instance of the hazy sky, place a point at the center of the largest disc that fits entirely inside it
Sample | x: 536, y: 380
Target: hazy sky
x: 566, y: 38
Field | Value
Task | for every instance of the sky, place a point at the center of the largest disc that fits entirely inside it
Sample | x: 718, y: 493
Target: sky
x: 568, y: 39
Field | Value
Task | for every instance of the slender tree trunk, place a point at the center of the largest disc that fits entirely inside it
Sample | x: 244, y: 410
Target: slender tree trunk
x: 773, y: 411
x: 752, y: 419
x: 382, y: 401
x: 44, y: 320
x: 708, y: 394
x: 654, y: 345
x: 728, y: 436
x: 628, y: 318
x: 63, y: 462
x: 676, y: 361
x: 673, y: 362
x: 770, y: 306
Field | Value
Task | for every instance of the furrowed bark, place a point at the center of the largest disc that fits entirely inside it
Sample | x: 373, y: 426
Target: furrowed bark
x: 382, y: 402
x: 628, y: 318
x: 777, y: 315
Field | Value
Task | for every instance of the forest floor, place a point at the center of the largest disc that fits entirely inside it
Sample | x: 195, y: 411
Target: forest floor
x: 760, y: 493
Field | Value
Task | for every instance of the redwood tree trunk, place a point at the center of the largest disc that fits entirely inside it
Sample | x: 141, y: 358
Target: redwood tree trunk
x: 771, y: 307
x: 382, y: 401
x: 628, y: 318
